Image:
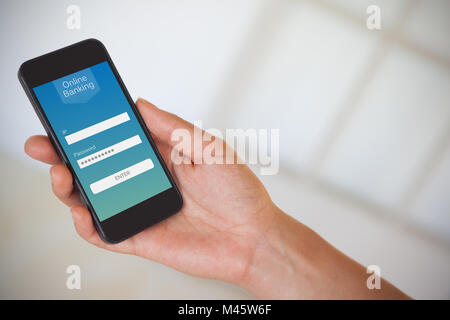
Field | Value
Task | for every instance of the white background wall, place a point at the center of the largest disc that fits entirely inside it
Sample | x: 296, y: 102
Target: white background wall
x: 364, y: 119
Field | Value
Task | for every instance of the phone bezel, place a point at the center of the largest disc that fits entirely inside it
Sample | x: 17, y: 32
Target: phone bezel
x: 81, y: 55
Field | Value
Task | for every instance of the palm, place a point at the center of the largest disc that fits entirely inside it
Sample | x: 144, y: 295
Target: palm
x: 216, y: 227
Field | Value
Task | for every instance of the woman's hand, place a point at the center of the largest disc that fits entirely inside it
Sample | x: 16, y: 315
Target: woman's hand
x: 228, y: 228
x: 226, y: 208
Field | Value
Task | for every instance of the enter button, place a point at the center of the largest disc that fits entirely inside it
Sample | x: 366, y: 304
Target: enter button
x: 121, y: 176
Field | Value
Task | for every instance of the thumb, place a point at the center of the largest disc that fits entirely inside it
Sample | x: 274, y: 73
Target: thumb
x: 161, y: 123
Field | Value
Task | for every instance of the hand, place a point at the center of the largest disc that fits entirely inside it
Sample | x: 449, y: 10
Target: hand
x: 226, y: 208
x: 228, y: 229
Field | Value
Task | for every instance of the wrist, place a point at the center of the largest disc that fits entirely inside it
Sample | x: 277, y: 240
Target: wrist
x: 278, y: 259
x: 291, y: 261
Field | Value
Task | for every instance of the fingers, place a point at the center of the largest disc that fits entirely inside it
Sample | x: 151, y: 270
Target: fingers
x: 62, y: 185
x: 85, y: 228
x: 40, y: 148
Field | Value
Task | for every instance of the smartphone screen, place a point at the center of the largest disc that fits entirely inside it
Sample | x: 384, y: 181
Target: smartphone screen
x: 103, y: 140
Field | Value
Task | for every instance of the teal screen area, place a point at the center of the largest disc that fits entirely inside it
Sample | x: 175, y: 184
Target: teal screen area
x: 102, y: 139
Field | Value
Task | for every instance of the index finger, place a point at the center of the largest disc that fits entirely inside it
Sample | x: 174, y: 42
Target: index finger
x: 40, y: 148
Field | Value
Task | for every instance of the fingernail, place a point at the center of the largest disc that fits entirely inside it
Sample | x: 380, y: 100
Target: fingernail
x: 74, y: 213
x: 52, y: 174
x: 142, y: 100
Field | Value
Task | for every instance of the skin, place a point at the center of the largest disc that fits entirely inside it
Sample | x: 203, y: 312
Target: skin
x: 228, y: 229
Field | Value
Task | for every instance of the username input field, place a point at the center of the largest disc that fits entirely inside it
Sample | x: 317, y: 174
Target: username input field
x: 97, y: 128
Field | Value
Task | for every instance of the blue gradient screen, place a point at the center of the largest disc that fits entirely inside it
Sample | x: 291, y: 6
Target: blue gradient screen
x: 102, y: 139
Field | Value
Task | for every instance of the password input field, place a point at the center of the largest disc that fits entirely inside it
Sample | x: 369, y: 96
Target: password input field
x: 97, y: 128
x: 109, y: 151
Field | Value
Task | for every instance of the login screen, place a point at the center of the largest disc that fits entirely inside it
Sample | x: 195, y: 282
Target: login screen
x: 103, y: 140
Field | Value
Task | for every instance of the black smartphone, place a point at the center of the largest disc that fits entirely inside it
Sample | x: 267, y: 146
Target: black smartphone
x: 97, y: 131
